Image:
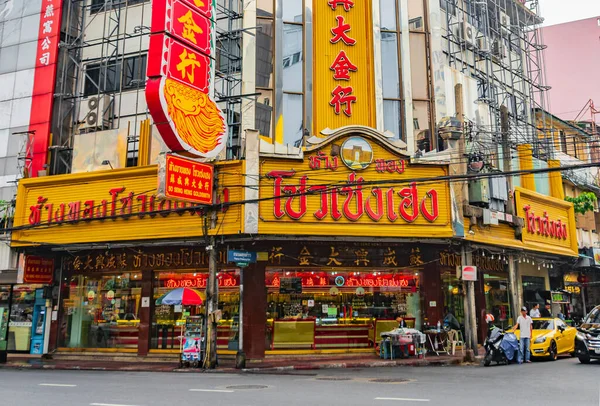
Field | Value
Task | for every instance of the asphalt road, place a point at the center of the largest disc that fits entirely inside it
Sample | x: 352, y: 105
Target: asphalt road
x: 564, y: 382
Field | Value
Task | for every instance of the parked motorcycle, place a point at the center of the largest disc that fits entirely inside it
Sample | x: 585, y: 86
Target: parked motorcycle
x: 500, y: 347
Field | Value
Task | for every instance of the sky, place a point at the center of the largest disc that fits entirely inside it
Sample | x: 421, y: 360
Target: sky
x: 562, y: 11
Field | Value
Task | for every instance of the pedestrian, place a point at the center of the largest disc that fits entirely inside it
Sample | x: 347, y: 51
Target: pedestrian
x: 450, y: 320
x: 535, y: 312
x: 525, y: 325
x: 546, y: 311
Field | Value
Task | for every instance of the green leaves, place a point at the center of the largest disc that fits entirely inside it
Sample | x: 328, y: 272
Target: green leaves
x: 583, y: 203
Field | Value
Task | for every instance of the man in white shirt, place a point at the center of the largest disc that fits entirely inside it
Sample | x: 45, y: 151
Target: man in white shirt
x: 525, y: 325
x: 535, y: 312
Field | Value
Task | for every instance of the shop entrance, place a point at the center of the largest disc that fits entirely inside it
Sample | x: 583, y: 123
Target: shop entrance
x: 497, y: 298
x: 167, y: 320
x: 342, y: 309
x: 16, y: 317
x: 101, y: 311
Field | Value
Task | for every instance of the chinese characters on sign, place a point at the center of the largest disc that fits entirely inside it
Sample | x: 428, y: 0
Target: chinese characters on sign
x: 187, y: 180
x: 117, y: 260
x: 38, y: 270
x: 44, y: 80
x: 342, y: 66
x: 179, y: 72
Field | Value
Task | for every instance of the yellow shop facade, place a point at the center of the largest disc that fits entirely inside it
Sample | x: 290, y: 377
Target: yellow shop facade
x: 116, y: 248
x: 350, y: 234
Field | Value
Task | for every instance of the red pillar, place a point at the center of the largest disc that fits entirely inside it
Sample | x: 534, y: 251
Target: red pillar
x: 145, y: 315
x: 255, y: 310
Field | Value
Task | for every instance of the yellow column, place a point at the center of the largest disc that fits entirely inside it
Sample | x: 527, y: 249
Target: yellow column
x: 556, y: 185
x: 526, y: 163
x: 144, y: 143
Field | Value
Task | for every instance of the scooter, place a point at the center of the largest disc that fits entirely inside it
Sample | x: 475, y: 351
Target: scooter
x: 500, y: 347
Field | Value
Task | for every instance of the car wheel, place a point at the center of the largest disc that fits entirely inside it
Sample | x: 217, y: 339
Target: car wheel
x: 584, y: 359
x: 553, y: 351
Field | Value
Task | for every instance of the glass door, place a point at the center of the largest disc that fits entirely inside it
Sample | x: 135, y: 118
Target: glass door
x: 4, y: 304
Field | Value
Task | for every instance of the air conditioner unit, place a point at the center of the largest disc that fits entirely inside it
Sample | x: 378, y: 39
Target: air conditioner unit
x: 95, y: 112
x: 469, y: 34
x: 499, y: 49
x: 483, y: 44
x: 504, y: 22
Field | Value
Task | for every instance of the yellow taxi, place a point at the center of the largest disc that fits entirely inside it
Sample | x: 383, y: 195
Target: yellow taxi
x: 551, y: 338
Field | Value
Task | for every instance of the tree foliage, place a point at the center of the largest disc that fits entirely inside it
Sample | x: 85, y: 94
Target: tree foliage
x: 583, y: 203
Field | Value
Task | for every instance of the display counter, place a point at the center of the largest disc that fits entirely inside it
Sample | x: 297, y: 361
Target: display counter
x: 328, y: 333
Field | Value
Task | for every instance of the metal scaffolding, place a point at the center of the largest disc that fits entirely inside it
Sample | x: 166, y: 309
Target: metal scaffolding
x: 90, y: 89
x: 498, y: 43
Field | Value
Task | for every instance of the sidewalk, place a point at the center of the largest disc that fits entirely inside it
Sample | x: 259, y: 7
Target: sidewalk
x: 228, y: 365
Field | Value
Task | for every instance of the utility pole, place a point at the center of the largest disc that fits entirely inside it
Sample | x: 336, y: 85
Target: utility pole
x: 506, y: 157
x: 458, y: 166
x: 513, y: 278
x: 212, y: 287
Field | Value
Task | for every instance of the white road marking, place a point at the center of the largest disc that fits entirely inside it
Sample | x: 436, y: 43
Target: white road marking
x: 60, y: 385
x: 404, y: 399
x: 212, y: 390
x: 107, y: 404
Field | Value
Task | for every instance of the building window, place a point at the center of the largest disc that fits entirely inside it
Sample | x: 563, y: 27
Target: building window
x: 563, y: 142
x: 390, y: 65
x: 293, y: 72
x: 115, y: 75
x: 265, y: 47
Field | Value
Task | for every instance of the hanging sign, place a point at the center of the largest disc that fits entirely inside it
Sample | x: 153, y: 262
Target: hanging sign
x: 185, y: 179
x: 38, y: 270
x: 180, y: 68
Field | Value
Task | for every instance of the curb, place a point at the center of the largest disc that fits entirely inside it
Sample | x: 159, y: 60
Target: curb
x: 353, y: 365
x: 265, y: 369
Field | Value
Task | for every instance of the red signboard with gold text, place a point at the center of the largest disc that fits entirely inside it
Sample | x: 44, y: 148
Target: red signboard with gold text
x: 38, y: 270
x: 179, y: 71
x: 187, y: 180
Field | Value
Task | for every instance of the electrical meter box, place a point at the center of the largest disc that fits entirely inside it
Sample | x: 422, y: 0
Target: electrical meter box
x: 479, y: 192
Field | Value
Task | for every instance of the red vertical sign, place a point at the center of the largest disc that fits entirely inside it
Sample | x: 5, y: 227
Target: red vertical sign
x: 44, y: 82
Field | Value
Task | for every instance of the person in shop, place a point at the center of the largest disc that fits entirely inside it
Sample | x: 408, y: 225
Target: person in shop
x: 546, y: 311
x: 535, y: 311
x: 402, y: 324
x: 401, y: 321
x: 450, y: 320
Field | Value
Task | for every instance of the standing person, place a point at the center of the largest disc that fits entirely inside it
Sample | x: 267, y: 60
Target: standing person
x: 525, y: 324
x: 535, y: 312
x: 546, y: 311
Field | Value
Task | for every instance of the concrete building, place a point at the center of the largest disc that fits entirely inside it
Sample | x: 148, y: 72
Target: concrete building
x: 572, y: 60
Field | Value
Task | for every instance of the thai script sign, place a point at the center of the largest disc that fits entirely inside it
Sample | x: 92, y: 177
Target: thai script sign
x: 549, y: 223
x: 38, y: 269
x: 372, y: 187
x: 185, y: 179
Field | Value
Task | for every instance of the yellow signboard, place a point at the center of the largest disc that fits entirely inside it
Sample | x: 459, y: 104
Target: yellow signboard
x: 353, y: 185
x: 117, y: 205
x: 549, y: 223
x: 343, y: 64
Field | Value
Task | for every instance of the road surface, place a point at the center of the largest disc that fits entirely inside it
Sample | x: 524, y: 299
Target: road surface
x: 564, y: 382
